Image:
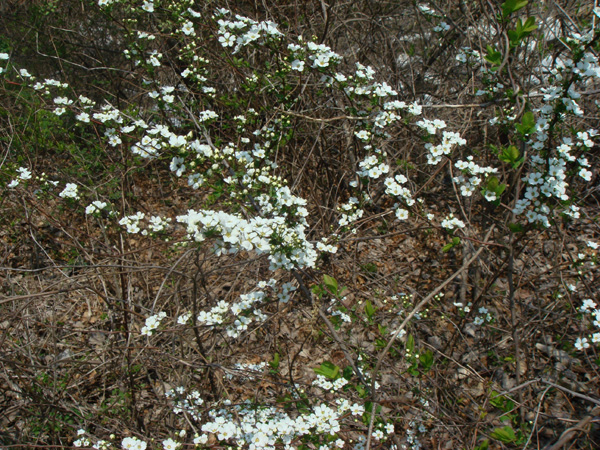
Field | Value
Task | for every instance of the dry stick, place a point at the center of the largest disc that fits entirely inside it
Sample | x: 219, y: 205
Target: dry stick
x: 573, y: 393
x: 570, y: 432
x: 171, y: 270
x: 514, y: 325
x: 537, y: 415
x: 416, y: 309
x: 323, y: 316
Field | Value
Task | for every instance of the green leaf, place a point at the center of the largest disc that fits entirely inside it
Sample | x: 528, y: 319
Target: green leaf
x: 527, y: 125
x: 348, y: 372
x: 496, y: 399
x: 426, y: 359
x: 369, y: 310
x: 505, y: 434
x: 529, y: 25
x: 318, y: 290
x: 511, y: 6
x: 522, y: 31
x: 450, y: 245
x: 493, y: 56
x: 492, y: 184
x: 331, y: 284
x: 485, y: 445
x: 328, y: 370
x: 510, y: 155
x: 360, y: 389
x: 410, y: 344
x: 275, y: 363
x: 515, y: 227
x: 514, y: 37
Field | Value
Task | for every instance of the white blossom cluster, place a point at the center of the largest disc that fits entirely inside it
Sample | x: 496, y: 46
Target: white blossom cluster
x: 471, y: 177
x: 431, y: 126
x: 451, y: 223
x: 95, y: 207
x: 70, y: 191
x: 23, y: 174
x: 152, y: 323
x: 243, y: 31
x: 133, y: 443
x: 132, y: 222
x: 237, y: 233
x: 236, y: 316
x: 468, y: 55
x: 324, y: 247
x: 247, y: 371
x: 394, y: 188
x: 328, y: 385
x: 449, y: 140
x: 372, y: 167
x: 545, y: 184
x: 286, y: 291
x: 188, y: 403
x: 321, y: 55
x: 266, y: 427
x: 589, y: 308
x: 3, y: 57
x: 350, y: 212
x: 484, y: 317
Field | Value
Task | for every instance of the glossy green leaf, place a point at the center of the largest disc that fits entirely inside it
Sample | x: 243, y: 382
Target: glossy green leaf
x: 511, y: 6
x: 328, y: 370
x: 505, y: 434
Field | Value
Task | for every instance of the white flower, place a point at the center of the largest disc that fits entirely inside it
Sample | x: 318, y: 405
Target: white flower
x: 148, y: 6
x: 155, y: 59
x: 184, y: 318
x: 83, y: 117
x: 177, y: 166
x: 188, y: 28
x: 298, y: 65
x: 24, y: 173
x: 451, y: 222
x: 170, y: 444
x: 227, y: 40
x: 588, y: 304
x: 133, y: 443
x: 321, y: 61
x: 581, y: 343
x: 177, y: 141
x: 94, y: 207
x: 490, y: 196
x: 70, y: 191
x: 585, y: 174
x: 202, y: 439
x: 401, y: 214
x: 207, y: 115
x: 362, y: 135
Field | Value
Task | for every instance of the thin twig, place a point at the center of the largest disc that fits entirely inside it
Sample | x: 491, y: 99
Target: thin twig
x: 415, y: 310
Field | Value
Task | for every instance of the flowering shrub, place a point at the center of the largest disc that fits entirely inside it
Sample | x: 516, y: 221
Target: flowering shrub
x: 214, y: 194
